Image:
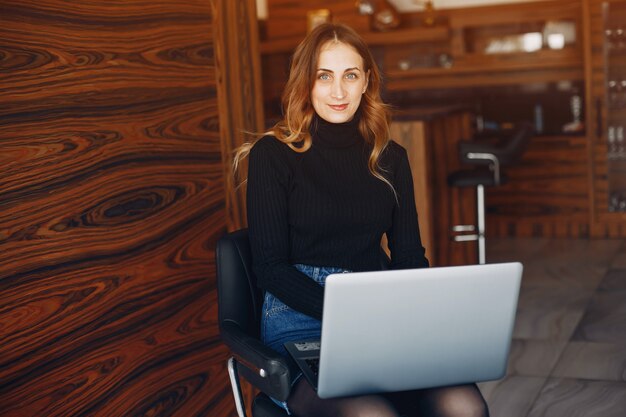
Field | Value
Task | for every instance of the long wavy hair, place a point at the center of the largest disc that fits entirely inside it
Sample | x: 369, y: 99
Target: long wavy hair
x: 293, y: 129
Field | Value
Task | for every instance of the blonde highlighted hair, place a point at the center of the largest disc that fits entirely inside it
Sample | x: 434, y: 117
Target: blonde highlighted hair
x: 293, y: 129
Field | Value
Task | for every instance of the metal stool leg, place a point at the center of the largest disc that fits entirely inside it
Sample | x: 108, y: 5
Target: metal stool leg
x: 234, y: 383
x: 479, y: 228
x: 480, y: 200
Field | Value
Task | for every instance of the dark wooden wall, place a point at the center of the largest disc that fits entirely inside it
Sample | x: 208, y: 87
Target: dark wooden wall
x: 603, y: 222
x: 547, y: 194
x: 111, y: 200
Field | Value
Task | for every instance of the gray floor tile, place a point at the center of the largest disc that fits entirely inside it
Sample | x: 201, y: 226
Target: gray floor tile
x: 604, y: 319
x: 553, y: 298
x: 507, y: 250
x: 568, y: 355
x: 580, y: 251
x: 557, y: 275
x: 615, y: 279
x: 619, y: 261
x: 587, y: 360
x: 556, y: 324
x: 512, y: 396
x: 580, y: 398
x: 534, y: 357
x: 549, y: 313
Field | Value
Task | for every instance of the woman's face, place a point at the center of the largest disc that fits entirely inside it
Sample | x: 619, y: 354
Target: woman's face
x: 340, y: 82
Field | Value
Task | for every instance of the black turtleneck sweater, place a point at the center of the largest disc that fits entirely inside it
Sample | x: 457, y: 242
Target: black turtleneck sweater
x: 323, y: 207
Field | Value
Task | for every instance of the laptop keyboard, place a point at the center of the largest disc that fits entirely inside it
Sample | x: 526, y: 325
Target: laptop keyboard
x: 314, y: 365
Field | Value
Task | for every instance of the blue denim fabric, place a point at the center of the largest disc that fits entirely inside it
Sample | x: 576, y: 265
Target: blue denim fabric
x: 280, y: 323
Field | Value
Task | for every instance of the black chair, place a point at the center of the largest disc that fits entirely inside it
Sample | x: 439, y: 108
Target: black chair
x: 239, y: 313
x: 490, y: 158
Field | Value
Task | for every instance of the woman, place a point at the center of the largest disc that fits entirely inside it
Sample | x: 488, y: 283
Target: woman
x: 323, y: 187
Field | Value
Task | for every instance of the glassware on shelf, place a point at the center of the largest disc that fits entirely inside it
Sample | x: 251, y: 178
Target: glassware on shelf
x: 576, y: 124
x: 616, y: 142
x: 617, y: 93
x: 619, y: 41
x: 614, y: 16
x: 617, y: 201
x: 615, y: 38
x: 611, y: 142
x: 619, y: 142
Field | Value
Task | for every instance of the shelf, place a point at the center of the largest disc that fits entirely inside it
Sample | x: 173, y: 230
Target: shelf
x: 481, y: 63
x: 478, y: 70
x: 444, y: 80
x: 393, y: 37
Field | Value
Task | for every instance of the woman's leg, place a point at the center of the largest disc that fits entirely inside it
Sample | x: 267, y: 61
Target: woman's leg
x: 456, y: 401
x: 304, y: 402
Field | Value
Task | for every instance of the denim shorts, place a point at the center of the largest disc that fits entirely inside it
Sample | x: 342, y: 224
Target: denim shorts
x: 280, y: 323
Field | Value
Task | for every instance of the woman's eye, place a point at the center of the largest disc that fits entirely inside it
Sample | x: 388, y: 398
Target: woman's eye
x: 324, y: 77
x: 351, y: 76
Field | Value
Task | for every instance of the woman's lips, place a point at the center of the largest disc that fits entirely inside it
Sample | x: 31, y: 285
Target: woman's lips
x: 338, y: 107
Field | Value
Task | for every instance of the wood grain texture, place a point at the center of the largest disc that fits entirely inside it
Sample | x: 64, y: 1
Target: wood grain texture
x: 602, y: 222
x: 547, y: 193
x: 432, y: 149
x: 111, y: 200
x: 240, y: 95
x: 240, y: 101
x: 452, y: 205
x: 411, y: 135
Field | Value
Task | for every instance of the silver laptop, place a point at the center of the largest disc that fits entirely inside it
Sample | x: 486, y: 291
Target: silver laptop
x: 388, y: 331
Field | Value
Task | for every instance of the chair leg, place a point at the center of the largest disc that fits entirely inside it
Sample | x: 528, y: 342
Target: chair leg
x: 480, y: 200
x: 236, y: 386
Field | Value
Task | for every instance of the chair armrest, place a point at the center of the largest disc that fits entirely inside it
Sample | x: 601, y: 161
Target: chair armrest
x: 262, y: 366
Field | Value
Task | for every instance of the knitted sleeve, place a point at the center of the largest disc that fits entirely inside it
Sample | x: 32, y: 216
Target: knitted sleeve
x: 267, y: 203
x: 404, y: 239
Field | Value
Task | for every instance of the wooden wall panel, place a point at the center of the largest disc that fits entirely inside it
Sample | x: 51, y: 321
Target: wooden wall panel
x: 111, y: 200
x: 240, y: 94
x: 547, y: 193
x: 603, y: 223
x: 288, y: 18
x: 241, y: 107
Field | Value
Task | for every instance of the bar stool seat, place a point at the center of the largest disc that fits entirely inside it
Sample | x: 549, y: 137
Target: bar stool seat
x: 474, y: 177
x: 488, y: 159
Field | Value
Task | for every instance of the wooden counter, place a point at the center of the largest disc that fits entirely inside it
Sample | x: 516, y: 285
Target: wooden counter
x: 430, y: 136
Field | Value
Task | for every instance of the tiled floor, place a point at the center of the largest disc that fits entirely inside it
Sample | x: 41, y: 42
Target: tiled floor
x: 568, y: 355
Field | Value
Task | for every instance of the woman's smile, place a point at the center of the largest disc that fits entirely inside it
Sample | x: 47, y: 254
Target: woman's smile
x: 338, y: 107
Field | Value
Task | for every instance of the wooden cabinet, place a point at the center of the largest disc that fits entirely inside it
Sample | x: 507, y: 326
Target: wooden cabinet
x: 605, y: 73
x: 485, y: 47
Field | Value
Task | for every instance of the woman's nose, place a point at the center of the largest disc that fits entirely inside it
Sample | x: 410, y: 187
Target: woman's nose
x: 337, y: 90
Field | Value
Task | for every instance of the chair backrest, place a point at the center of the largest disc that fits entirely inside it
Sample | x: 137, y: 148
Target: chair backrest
x: 513, y: 147
x: 509, y: 147
x: 239, y: 299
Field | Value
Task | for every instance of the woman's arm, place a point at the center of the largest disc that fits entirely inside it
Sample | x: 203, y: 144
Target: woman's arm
x: 403, y: 237
x: 267, y: 203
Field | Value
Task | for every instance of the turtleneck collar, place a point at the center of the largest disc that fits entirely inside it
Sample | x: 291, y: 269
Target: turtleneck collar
x: 336, y: 135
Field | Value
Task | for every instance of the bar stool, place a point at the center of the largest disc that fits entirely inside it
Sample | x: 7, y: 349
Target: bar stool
x: 489, y: 159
